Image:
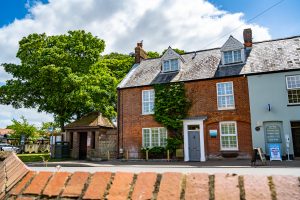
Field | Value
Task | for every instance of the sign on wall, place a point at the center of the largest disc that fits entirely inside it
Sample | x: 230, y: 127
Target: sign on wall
x: 213, y: 133
x: 275, y: 152
x: 273, y: 134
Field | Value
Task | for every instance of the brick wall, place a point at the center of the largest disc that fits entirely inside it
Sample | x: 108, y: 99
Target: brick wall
x: 203, y: 97
x: 105, y: 140
x: 150, y: 185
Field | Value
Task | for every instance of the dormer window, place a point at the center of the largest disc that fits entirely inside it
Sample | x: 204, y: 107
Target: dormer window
x: 232, y: 56
x: 232, y: 52
x: 170, y: 65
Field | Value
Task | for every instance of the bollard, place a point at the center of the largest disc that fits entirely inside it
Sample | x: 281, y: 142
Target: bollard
x: 108, y: 156
x: 147, y: 155
x: 168, y: 155
x: 127, y: 155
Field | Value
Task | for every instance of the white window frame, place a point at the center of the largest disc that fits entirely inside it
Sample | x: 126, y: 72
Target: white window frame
x: 227, y: 107
x: 150, y: 137
x: 232, y: 57
x: 143, y: 101
x: 170, y: 65
x: 292, y: 88
x: 236, y: 134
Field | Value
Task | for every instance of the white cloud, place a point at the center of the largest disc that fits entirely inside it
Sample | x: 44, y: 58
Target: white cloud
x: 8, y: 113
x: 189, y: 25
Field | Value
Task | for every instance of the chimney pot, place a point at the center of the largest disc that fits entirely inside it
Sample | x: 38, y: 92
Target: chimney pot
x: 247, y: 33
x: 140, y: 53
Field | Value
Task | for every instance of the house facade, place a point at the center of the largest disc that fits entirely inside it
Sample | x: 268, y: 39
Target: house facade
x: 274, y: 92
x: 218, y: 122
x: 229, y: 89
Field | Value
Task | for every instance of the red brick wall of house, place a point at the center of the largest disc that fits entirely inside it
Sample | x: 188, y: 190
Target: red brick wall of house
x: 203, y: 97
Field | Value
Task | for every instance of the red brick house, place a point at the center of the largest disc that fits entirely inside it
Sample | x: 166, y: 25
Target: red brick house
x: 218, y: 122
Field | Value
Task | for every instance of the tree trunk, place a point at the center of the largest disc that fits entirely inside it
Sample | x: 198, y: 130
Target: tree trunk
x: 62, y: 125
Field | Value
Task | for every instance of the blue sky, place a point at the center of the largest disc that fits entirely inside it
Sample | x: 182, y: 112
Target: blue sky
x: 282, y: 20
x: 189, y: 25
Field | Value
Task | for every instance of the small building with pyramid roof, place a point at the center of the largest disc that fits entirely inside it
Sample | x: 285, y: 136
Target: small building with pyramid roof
x: 92, y: 137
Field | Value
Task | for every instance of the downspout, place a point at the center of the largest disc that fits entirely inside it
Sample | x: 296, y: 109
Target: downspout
x: 118, y: 122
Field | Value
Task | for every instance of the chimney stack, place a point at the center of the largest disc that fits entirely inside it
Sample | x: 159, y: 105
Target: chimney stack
x: 140, y: 53
x: 247, y: 33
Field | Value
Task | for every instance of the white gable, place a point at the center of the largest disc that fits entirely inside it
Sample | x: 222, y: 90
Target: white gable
x: 171, y: 54
x: 232, y: 44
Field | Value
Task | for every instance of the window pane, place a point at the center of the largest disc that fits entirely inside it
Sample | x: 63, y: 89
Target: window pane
x: 237, y: 56
x: 154, y: 137
x: 228, y: 57
x: 294, y: 96
x: 293, y: 82
x: 166, y: 66
x: 148, y: 101
x: 225, y: 95
x: 174, y: 65
x: 228, y: 136
x: 146, y: 137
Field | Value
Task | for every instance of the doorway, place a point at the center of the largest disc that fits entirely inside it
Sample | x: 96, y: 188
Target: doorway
x: 296, y: 138
x: 194, y: 142
x: 82, y: 145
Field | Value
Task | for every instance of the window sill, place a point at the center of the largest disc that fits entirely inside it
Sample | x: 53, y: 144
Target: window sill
x: 147, y: 114
x: 230, y: 108
x: 295, y: 104
x: 229, y: 150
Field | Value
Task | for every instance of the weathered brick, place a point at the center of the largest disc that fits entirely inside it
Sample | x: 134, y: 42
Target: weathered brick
x: 144, y: 186
x: 26, y: 198
x: 38, y: 183
x: 226, y: 187
x: 76, y: 184
x: 97, y: 186
x: 197, y: 186
x: 56, y: 184
x: 21, y: 185
x: 257, y: 187
x: 170, y: 186
x: 203, y: 97
x: 286, y: 187
x: 121, y: 186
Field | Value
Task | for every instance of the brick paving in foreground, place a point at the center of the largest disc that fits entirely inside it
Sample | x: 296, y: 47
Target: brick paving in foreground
x: 170, y: 185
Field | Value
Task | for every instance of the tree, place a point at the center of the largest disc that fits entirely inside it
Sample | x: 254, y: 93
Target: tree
x: 44, y: 130
x: 23, y: 128
x: 119, y: 64
x: 59, y: 75
x: 152, y: 54
x: 179, y: 51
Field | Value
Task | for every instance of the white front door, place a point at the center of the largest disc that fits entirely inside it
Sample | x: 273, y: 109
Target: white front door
x: 193, y: 140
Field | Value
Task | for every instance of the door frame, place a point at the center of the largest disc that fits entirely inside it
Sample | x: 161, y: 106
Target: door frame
x: 186, y: 141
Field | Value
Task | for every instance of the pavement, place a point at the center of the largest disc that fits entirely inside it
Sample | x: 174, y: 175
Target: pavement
x: 240, y: 167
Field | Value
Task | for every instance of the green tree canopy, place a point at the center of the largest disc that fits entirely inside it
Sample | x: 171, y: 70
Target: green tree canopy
x: 60, y: 75
x: 22, y: 127
x: 154, y: 54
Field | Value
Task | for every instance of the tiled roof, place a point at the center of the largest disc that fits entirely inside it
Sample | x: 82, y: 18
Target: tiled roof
x: 93, y: 119
x: 4, y: 131
x: 266, y: 56
x: 142, y: 186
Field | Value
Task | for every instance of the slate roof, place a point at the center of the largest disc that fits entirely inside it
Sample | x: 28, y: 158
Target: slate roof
x: 93, y: 119
x: 266, y: 56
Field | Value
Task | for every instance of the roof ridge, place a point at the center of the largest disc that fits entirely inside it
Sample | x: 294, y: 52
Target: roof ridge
x: 215, y: 48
